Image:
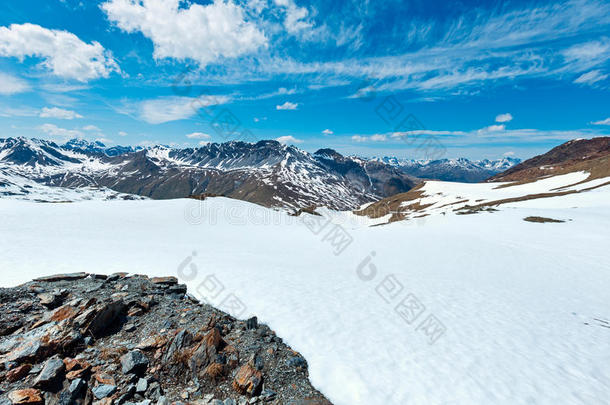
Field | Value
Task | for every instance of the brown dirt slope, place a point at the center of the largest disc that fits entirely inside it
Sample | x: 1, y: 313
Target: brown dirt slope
x: 590, y: 155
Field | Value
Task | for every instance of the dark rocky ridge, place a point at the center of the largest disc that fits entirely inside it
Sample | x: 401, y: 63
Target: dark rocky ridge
x: 92, y: 339
x: 266, y: 173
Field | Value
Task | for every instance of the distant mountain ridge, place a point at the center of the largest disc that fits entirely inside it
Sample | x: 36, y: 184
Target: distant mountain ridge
x: 460, y: 169
x: 266, y: 173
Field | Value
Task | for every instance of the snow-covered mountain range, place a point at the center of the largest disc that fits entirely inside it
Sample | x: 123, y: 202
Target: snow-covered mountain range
x: 266, y: 173
x: 460, y: 169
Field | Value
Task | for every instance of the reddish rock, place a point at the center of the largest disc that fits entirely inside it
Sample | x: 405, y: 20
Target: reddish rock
x: 28, y: 396
x: 248, y: 380
x: 104, y: 378
x: 63, y: 313
x: 76, y: 368
x: 18, y: 373
x: 214, y: 339
x: 152, y: 342
x: 164, y: 280
x: 74, y: 374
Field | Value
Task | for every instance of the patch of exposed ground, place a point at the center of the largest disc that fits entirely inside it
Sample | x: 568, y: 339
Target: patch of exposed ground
x: 543, y: 220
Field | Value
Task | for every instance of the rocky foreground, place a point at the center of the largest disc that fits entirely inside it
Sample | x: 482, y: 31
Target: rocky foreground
x: 94, y: 339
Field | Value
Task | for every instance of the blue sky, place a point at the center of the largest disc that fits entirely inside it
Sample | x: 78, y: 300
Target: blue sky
x: 476, y: 79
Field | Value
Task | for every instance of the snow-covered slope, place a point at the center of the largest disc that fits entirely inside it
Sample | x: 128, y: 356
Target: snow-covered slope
x: 16, y: 187
x: 448, y: 198
x: 266, y: 173
x: 523, y: 306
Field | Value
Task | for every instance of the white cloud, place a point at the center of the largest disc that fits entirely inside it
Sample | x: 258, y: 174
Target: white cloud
x: 492, y: 128
x: 327, y: 132
x: 288, y: 139
x: 550, y: 41
x: 295, y: 19
x: 63, y: 53
x: 602, y: 122
x: 198, y: 135
x: 63, y: 87
x: 287, y: 106
x: 282, y: 91
x: 122, y: 133
x: 91, y: 128
x: 591, y: 77
x: 504, y: 118
x: 18, y: 111
x: 54, y: 130
x: 59, y: 113
x: 203, y: 143
x: 105, y: 141
x: 204, y: 33
x: 509, y: 153
x: 372, y: 138
x: 166, y: 109
x: 378, y: 138
x: 10, y: 84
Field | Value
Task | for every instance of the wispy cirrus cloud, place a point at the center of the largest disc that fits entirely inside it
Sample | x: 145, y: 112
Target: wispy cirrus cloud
x: 10, y: 84
x: 602, y: 122
x: 59, y: 113
x: 591, y: 77
x: 171, y: 108
x: 483, y: 46
x: 54, y: 130
x: 199, y: 135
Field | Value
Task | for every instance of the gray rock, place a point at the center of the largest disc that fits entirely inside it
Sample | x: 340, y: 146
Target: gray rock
x: 105, y: 317
x: 181, y: 340
x: 259, y: 363
x: 62, y: 277
x: 51, y: 373
x: 252, y: 323
x: 131, y: 389
x: 154, y: 391
x: 103, y: 391
x: 74, y: 391
x: 134, y: 362
x: 142, y: 385
x: 268, y: 395
x: 163, y: 401
x: 77, y: 386
x: 229, y: 401
x: 49, y: 300
x: 296, y: 362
